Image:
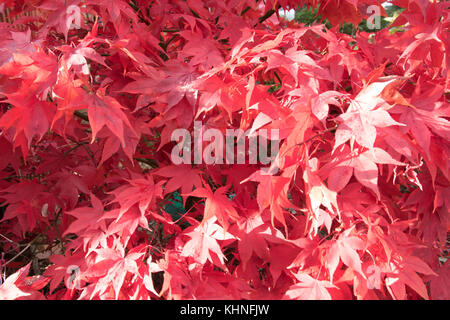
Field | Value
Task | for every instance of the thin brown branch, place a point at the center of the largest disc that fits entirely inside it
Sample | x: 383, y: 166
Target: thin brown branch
x: 22, y: 251
x: 81, y: 115
x: 267, y: 15
x: 151, y: 162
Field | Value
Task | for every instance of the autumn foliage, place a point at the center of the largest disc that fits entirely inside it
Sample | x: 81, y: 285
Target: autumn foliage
x: 92, y: 207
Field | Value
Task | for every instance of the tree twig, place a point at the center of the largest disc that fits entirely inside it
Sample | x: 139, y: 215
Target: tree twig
x: 266, y: 16
x: 151, y: 162
x: 81, y: 115
x: 9, y: 240
x: 22, y: 251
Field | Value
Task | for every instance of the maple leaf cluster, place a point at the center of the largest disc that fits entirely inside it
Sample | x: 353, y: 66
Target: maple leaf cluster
x: 92, y: 207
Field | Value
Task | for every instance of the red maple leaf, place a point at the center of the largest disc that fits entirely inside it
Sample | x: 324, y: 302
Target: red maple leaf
x: 309, y: 288
x: 203, y: 244
x: 217, y: 204
x: 182, y: 177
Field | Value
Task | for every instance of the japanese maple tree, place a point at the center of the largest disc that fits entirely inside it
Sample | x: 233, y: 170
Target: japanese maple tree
x: 93, y: 206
